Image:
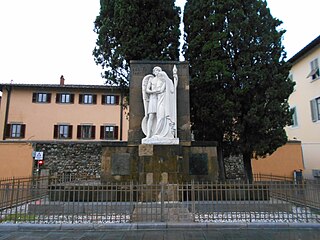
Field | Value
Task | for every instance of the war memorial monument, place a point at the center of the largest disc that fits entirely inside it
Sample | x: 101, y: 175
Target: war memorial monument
x: 159, y: 147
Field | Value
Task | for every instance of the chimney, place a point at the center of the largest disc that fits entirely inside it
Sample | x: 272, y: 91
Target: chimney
x: 61, y: 80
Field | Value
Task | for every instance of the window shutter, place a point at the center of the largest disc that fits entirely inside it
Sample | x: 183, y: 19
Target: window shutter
x: 79, y: 131
x: 94, y: 99
x: 80, y: 98
x: 101, y: 132
x: 72, y: 98
x: 294, y: 117
x: 117, y: 99
x: 316, y: 65
x: 312, y: 65
x: 55, y: 132
x: 70, y: 131
x: 93, y: 132
x: 48, y: 97
x: 23, y: 130
x: 103, y: 99
x: 34, y: 97
x: 58, y: 98
x: 313, y: 106
x: 116, y: 129
x: 8, y: 128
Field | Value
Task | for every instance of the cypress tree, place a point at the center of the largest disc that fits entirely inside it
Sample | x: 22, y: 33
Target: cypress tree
x: 241, y: 60
x: 135, y: 30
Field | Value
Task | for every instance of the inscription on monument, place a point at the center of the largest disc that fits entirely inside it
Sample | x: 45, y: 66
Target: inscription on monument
x: 198, y: 164
x: 164, y: 177
x: 149, y: 178
x: 138, y: 70
x: 145, y: 150
x: 120, y: 164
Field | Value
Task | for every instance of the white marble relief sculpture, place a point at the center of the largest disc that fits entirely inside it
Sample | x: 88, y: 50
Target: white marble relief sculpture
x: 160, y: 106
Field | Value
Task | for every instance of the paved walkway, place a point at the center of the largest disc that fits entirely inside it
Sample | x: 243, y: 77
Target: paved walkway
x: 161, y: 231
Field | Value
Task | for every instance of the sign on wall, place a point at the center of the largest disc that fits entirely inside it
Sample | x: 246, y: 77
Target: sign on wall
x: 38, y: 156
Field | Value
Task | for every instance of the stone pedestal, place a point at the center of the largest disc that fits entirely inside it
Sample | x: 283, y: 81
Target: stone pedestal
x: 155, y: 164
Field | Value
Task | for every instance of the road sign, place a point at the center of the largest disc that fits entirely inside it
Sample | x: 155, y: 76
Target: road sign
x: 38, y: 156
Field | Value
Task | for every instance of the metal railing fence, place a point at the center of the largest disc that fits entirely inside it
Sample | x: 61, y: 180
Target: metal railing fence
x: 70, y: 199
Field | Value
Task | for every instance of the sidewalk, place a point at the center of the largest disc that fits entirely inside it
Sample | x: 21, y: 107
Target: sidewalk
x: 157, y: 231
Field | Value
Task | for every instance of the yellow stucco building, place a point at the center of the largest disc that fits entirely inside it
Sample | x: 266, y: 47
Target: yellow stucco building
x: 62, y: 112
x: 305, y: 102
x: 56, y: 113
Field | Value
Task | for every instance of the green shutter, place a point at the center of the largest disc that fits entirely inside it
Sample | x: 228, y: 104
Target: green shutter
x: 79, y: 131
x: 103, y: 99
x: 23, y: 130
x: 313, y: 106
x: 8, y: 131
x: 116, y: 132
x: 93, y: 132
x: 101, y: 132
x: 34, y: 97
x: 55, y: 131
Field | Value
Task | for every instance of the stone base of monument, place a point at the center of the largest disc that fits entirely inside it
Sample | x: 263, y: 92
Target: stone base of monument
x: 167, y: 212
x: 162, y: 141
x: 155, y: 164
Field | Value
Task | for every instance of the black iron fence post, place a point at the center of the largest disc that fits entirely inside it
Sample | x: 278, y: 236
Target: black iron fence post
x: 162, y: 202
x: 193, y: 207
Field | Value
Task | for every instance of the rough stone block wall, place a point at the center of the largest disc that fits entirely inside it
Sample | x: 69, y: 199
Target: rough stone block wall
x: 71, y: 158
x: 234, y: 167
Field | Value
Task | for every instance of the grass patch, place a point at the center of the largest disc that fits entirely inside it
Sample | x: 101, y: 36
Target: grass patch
x: 18, y: 218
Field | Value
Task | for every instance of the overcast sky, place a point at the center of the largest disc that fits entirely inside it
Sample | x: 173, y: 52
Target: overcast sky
x: 43, y: 39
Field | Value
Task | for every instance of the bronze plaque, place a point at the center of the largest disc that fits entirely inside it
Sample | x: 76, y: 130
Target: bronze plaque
x: 198, y: 164
x: 120, y: 164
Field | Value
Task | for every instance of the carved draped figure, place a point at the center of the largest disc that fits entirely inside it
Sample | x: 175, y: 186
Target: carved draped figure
x: 159, y: 98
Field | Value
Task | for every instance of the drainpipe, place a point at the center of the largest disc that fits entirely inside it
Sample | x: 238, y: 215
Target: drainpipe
x: 8, y: 88
x: 121, y: 114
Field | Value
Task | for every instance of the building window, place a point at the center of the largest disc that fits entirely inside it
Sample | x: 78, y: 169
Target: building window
x: 110, y: 99
x: 109, y: 132
x: 86, y: 132
x: 294, y: 117
x: 41, y: 97
x: 87, y: 99
x: 290, y: 77
x: 62, y: 131
x: 15, y: 130
x: 315, y: 109
x: 64, y: 98
x: 315, y: 73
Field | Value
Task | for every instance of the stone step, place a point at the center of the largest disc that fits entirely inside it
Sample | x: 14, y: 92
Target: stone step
x: 166, y: 213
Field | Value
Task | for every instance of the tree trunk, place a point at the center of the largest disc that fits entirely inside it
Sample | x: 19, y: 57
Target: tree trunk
x: 222, y: 173
x: 247, y: 166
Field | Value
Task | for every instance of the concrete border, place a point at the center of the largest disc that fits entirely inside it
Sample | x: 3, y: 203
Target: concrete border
x: 152, y: 226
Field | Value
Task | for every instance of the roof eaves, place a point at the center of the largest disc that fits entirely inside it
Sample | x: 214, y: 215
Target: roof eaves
x: 305, y: 50
x: 67, y: 86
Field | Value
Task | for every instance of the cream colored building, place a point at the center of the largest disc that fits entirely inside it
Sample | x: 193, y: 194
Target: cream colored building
x: 305, y: 101
x: 42, y: 112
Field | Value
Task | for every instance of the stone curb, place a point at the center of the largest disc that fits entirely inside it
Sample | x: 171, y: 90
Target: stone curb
x: 115, y: 226
x: 38, y: 227
x: 151, y: 226
x: 186, y: 225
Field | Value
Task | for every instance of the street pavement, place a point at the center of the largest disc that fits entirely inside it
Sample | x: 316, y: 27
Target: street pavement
x: 160, y: 231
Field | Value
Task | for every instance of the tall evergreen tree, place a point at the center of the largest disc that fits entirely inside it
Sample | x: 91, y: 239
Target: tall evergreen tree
x: 211, y: 111
x: 135, y: 30
x: 238, y: 61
